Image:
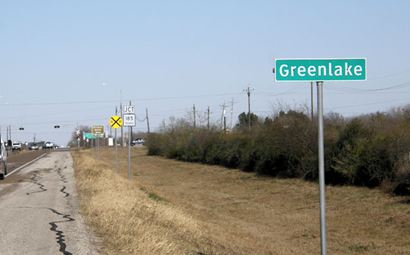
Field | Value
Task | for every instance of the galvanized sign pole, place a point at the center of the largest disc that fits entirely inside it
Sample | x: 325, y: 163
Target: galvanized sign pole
x: 129, y: 152
x: 115, y: 122
x: 319, y: 70
x: 98, y: 147
x: 97, y: 132
x: 129, y: 121
x: 321, y: 168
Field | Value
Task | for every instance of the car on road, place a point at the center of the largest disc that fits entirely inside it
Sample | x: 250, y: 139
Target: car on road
x: 48, y: 145
x: 138, y: 141
x: 16, y: 146
x: 33, y: 146
x: 3, y: 160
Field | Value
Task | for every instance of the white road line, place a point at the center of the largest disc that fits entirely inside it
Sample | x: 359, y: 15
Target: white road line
x: 26, y: 164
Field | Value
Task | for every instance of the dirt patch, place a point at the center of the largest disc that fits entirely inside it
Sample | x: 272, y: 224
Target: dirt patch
x: 232, y: 212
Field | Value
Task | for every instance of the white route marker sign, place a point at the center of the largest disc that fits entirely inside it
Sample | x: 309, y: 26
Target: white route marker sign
x: 129, y: 120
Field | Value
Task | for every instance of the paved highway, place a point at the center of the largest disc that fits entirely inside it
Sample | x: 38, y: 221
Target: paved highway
x: 39, y: 212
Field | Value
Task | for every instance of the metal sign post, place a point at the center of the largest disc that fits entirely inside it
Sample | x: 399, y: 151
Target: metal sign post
x: 319, y: 70
x: 321, y: 167
x: 115, y: 122
x: 129, y: 152
x: 98, y: 147
x: 97, y: 131
x: 116, y: 149
x: 129, y: 121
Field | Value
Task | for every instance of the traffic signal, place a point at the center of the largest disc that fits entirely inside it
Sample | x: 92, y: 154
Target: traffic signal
x: 21, y: 128
x: 57, y: 126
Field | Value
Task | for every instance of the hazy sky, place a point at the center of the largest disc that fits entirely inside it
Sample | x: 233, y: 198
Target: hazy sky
x: 65, y: 62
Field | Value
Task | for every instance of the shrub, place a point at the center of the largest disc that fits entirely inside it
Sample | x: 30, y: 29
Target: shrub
x: 368, y: 150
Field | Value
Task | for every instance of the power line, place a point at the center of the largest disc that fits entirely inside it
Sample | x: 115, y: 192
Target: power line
x: 390, y: 75
x: 374, y: 103
x: 115, y: 101
x: 401, y: 85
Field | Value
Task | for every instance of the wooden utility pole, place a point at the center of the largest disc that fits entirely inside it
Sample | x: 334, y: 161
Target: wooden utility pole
x: 208, y: 113
x: 248, y: 92
x: 223, y: 117
x: 147, y: 119
x: 193, y: 108
x: 232, y: 103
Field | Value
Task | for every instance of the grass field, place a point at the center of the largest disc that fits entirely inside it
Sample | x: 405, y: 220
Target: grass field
x: 173, y: 207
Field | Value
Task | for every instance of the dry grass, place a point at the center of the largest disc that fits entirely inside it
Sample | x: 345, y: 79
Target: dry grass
x: 128, y: 219
x: 173, y: 207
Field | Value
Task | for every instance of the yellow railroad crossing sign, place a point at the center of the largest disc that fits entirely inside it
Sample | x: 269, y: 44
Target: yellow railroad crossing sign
x: 115, y: 121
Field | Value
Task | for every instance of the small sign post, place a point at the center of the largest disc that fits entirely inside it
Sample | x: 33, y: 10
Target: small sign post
x: 129, y: 121
x: 115, y: 122
x: 319, y: 70
x: 98, y: 132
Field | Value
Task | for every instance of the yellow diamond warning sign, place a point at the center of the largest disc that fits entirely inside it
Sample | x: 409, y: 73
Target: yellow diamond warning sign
x: 115, y: 121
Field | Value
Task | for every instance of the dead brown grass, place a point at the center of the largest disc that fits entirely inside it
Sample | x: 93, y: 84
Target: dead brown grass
x: 126, y: 217
x: 174, y: 207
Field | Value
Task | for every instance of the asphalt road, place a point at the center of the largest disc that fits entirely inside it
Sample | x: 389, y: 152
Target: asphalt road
x: 39, y: 212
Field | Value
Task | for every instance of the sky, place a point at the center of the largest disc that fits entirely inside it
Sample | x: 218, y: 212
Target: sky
x: 70, y: 63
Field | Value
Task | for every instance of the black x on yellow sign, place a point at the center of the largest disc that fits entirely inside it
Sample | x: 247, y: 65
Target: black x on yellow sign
x: 115, y: 121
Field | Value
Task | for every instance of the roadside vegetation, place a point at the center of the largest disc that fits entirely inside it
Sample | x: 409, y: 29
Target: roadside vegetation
x: 176, y: 207
x: 370, y: 150
x: 129, y: 218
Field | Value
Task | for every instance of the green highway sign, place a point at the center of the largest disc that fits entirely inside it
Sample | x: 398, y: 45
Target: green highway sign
x: 331, y: 69
x: 88, y: 135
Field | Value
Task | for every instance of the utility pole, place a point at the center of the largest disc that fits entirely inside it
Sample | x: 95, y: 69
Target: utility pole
x: 8, y: 133
x: 248, y: 92
x: 311, y: 100
x: 224, y: 124
x: 208, y: 113
x: 147, y: 118
x: 232, y: 103
x: 193, y: 108
x: 223, y: 118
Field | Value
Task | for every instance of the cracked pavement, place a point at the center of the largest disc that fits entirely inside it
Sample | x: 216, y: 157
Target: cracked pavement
x: 39, y: 211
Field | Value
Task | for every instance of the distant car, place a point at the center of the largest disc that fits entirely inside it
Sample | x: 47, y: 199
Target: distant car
x: 16, y: 146
x: 138, y: 141
x: 48, y: 145
x: 33, y: 147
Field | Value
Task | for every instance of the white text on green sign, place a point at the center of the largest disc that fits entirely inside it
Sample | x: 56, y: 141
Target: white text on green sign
x: 320, y: 69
